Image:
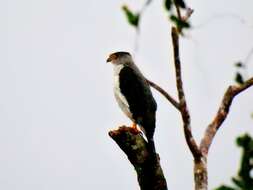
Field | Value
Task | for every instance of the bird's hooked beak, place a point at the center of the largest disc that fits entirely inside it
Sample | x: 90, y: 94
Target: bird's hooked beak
x: 111, y: 58
x: 108, y: 60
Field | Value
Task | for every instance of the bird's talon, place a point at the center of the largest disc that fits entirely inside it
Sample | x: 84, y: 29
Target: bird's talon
x: 134, y: 129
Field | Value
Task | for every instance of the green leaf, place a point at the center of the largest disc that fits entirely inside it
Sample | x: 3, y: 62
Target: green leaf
x: 244, y: 179
x: 239, y: 64
x: 132, y: 18
x: 180, y: 3
x: 238, y: 182
x: 238, y: 78
x: 243, y: 140
x: 179, y: 23
x: 223, y: 187
x: 168, y: 4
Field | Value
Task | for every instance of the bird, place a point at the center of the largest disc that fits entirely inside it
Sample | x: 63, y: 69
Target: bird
x: 133, y: 95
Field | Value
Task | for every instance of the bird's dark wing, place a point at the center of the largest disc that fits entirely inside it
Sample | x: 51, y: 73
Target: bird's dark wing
x: 137, y: 93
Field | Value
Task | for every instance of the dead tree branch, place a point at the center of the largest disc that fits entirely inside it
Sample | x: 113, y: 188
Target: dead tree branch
x: 181, y: 96
x: 165, y: 94
x: 182, y: 101
x: 222, y: 113
x: 200, y: 161
x: 149, y: 173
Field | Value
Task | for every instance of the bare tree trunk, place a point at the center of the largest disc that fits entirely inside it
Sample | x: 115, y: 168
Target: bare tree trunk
x: 200, y: 174
x: 149, y: 172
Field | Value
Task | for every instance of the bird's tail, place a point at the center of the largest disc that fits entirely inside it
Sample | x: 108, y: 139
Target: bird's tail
x: 151, y: 147
x: 149, y: 133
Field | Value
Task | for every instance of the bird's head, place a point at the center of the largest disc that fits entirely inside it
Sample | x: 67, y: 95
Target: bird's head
x: 119, y: 58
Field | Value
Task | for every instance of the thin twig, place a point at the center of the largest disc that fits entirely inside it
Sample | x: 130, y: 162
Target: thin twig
x: 178, y: 15
x: 222, y: 113
x: 247, y: 59
x: 182, y: 101
x: 178, y: 11
x: 246, y: 62
x: 189, y: 12
x: 141, y: 12
x: 222, y: 16
x: 183, y: 106
x: 165, y: 94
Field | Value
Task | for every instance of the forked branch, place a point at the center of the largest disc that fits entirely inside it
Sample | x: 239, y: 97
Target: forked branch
x: 222, y: 113
x: 182, y: 101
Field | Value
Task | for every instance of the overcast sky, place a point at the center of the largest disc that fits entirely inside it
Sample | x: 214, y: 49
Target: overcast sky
x: 56, y: 99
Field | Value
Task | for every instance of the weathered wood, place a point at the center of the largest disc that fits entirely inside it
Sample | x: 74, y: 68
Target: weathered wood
x: 149, y: 172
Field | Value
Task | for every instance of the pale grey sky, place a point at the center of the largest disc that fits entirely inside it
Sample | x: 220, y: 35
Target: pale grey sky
x: 57, y: 104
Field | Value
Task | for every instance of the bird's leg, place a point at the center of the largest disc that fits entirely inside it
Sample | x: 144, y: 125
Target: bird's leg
x: 134, y: 128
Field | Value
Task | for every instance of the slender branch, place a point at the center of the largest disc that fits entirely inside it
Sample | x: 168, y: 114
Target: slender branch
x: 247, y: 59
x: 178, y: 10
x: 177, y: 65
x: 222, y: 113
x: 178, y: 15
x: 141, y: 12
x: 165, y: 94
x: 183, y: 106
x: 149, y: 173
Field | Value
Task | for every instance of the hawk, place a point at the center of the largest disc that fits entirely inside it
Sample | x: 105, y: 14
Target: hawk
x: 133, y: 94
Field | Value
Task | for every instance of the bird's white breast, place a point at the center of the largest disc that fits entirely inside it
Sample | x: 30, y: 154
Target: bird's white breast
x: 120, y: 98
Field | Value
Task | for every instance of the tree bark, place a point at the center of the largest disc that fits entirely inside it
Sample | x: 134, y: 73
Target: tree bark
x: 200, y: 173
x: 149, y: 172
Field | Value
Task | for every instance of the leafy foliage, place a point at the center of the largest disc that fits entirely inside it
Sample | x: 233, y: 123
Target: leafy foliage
x: 239, y: 64
x: 179, y: 23
x: 243, y: 180
x: 224, y: 188
x: 180, y: 3
x: 133, y: 18
x: 238, y: 78
x: 168, y: 4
